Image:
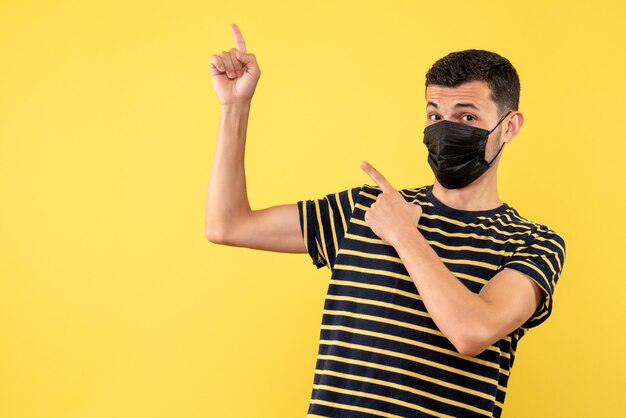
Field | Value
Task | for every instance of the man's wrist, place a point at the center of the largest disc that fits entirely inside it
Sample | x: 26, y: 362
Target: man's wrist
x: 408, y: 238
x: 236, y: 106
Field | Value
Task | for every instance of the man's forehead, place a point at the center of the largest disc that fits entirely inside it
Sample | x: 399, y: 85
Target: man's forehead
x: 475, y: 92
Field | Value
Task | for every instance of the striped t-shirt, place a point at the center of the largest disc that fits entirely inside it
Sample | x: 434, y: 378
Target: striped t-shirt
x: 380, y: 353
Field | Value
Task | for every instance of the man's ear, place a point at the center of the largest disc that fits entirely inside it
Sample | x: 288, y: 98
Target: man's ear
x: 513, y: 126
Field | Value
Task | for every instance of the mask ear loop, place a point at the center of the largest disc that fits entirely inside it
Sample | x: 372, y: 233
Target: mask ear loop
x: 503, y: 117
x: 494, y: 128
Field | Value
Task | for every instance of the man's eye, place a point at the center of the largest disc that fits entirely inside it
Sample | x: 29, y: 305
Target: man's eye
x: 468, y: 118
x: 434, y: 116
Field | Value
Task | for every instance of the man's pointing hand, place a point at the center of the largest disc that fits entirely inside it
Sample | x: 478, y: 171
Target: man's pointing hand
x: 235, y: 72
x: 390, y: 216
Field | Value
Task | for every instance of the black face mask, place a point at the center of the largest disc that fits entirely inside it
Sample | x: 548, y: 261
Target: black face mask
x: 456, y: 152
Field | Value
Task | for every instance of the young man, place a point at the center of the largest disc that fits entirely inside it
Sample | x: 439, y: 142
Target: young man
x: 431, y: 287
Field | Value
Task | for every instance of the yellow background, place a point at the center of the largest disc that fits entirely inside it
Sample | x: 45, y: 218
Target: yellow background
x: 113, y: 303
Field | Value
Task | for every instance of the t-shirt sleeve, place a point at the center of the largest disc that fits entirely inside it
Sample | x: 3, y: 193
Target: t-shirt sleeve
x: 324, y: 222
x: 541, y: 257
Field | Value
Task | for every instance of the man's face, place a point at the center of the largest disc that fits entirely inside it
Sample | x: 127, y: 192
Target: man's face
x: 470, y: 104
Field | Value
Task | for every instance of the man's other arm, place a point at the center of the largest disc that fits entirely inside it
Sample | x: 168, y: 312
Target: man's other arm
x: 471, y: 321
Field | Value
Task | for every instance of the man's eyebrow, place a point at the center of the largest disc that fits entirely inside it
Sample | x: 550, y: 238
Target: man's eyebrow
x: 470, y: 105
x: 456, y: 106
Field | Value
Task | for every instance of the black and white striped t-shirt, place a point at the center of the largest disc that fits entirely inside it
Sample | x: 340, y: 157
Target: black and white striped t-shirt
x: 380, y: 353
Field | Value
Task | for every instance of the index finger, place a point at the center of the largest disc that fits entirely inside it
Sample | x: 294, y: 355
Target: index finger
x: 378, y: 178
x: 239, y: 42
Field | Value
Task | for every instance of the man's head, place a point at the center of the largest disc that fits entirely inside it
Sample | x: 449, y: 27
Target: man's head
x: 478, y: 89
x: 461, y: 67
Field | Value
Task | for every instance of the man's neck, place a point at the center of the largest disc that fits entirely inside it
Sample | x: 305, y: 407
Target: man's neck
x: 482, y: 194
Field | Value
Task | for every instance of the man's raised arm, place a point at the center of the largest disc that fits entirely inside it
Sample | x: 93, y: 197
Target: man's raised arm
x: 229, y: 218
